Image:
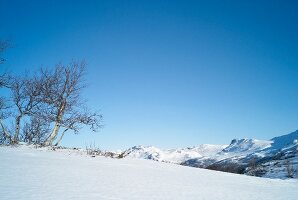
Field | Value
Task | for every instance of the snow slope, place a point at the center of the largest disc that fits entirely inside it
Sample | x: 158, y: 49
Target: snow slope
x: 247, y: 145
x: 285, y: 140
x: 33, y: 174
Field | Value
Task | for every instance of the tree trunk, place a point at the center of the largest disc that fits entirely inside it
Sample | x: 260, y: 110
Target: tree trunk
x: 17, y: 133
x: 60, y: 139
x: 6, y: 134
x: 49, y: 141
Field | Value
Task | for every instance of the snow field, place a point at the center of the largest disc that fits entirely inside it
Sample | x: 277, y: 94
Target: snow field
x: 32, y: 174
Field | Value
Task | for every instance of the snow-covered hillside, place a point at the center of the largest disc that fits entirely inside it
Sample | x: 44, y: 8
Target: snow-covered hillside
x: 40, y: 174
x: 272, y: 156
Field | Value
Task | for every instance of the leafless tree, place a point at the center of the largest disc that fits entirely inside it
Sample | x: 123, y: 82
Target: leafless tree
x: 4, y: 44
x: 5, y: 136
x: 4, y: 113
x: 61, y: 92
x: 45, y: 105
x: 289, y: 169
x: 35, y: 131
x: 25, y: 97
x: 252, y: 163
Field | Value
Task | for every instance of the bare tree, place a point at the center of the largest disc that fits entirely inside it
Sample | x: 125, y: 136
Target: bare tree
x: 290, y: 169
x: 24, y: 103
x: 5, y: 136
x: 46, y: 105
x: 62, y: 93
x: 35, y: 131
x: 4, y: 77
x: 25, y: 97
x: 4, y: 44
x: 253, y: 163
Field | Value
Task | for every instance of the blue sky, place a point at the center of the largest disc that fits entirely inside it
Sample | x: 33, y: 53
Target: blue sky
x: 168, y: 73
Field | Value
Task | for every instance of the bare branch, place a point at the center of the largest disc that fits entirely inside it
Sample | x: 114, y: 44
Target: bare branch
x: 4, y: 44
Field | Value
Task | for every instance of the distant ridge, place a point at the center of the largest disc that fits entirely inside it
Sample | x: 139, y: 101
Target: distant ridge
x: 271, y: 157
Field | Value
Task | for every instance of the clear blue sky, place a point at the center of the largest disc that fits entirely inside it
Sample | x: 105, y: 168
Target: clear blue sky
x: 168, y: 73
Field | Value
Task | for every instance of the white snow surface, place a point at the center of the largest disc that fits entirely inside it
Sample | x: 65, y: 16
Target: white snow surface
x: 39, y: 174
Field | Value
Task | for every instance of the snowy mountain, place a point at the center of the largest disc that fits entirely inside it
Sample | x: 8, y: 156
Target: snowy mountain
x: 237, y: 157
x: 172, y: 155
x: 285, y: 141
x: 246, y: 146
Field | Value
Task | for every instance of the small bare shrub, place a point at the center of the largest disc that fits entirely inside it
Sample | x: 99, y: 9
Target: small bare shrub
x: 290, y: 169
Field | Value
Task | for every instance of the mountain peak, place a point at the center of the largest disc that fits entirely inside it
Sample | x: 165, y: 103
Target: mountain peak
x: 284, y: 140
x: 241, y: 145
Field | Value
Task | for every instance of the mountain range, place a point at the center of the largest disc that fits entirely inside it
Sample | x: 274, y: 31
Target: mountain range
x: 274, y: 158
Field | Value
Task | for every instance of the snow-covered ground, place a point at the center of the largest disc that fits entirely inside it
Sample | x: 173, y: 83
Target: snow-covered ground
x: 39, y: 174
